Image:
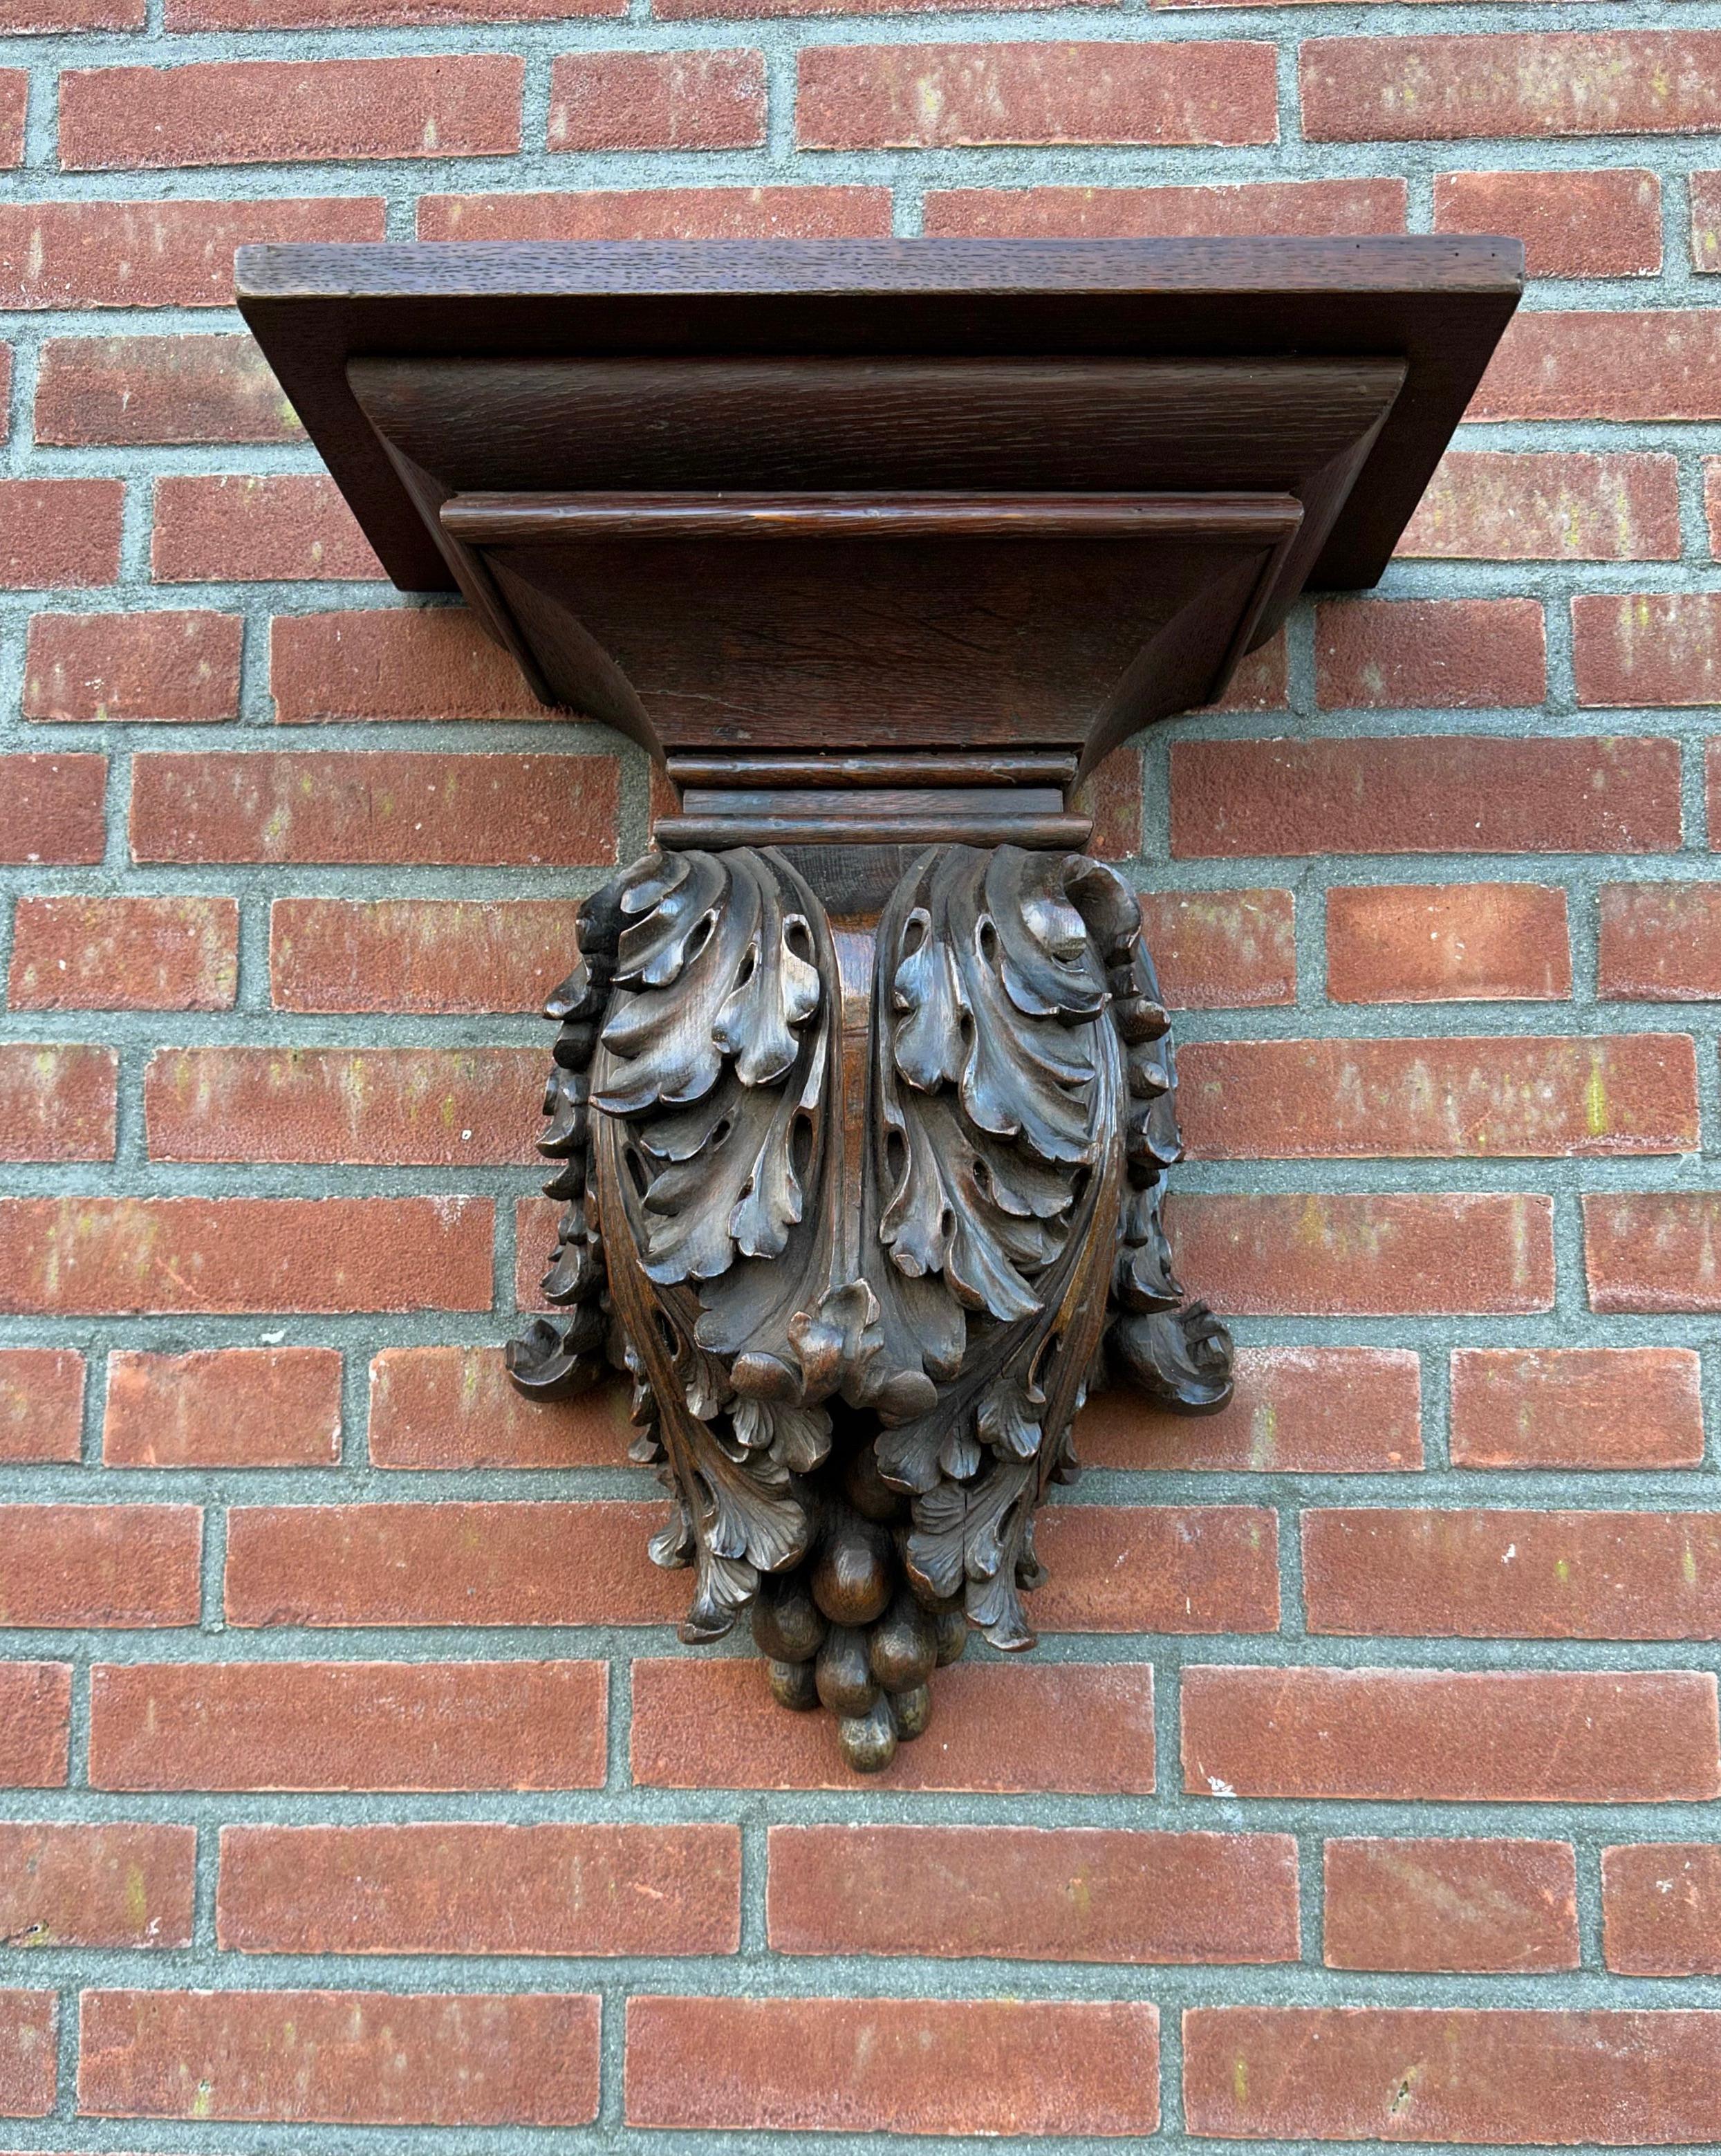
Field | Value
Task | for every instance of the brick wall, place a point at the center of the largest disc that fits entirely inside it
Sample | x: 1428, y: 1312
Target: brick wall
x: 354, y: 1776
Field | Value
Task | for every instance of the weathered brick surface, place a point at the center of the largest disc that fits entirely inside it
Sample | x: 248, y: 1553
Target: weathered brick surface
x: 121, y: 1885
x: 859, y: 2065
x: 352, y: 1725
x: 431, y: 1108
x: 1660, y: 1905
x: 159, y: 953
x: 74, y: 1254
x: 377, y: 806
x: 244, y: 528
x: 1514, y: 2076
x: 1572, y: 223
x: 452, y: 1563
x: 1431, y: 889
x: 183, y: 667
x: 1424, y: 794
x: 1296, y: 1410
x: 41, y: 1405
x: 1099, y: 1894
x: 477, y: 1889
x: 72, y: 1567
x: 348, y: 2058
x: 249, y: 112
x: 1451, y: 942
x: 35, y: 1724
x: 1504, y: 1736
x: 1073, y: 1728
x: 1449, y: 1098
x: 1574, y: 505
x: 1448, y: 1903
x: 226, y: 1407
x: 860, y: 97
x: 1576, y: 1407
x: 57, y: 1103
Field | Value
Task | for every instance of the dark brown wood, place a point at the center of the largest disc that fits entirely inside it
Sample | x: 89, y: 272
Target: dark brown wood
x: 849, y: 1206
x: 1437, y: 305
x: 862, y: 1103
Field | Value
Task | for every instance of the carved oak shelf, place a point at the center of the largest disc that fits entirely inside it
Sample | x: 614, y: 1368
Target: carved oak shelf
x: 862, y: 1102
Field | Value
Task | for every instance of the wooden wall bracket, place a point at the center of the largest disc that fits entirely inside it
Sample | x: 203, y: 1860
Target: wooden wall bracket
x: 863, y: 1098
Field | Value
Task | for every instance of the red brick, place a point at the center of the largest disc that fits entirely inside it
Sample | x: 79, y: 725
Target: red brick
x: 1504, y: 1575
x: 431, y: 1107
x: 56, y: 533
x: 406, y: 1725
x: 1660, y: 1905
x: 381, y: 806
x: 41, y: 1405
x: 1428, y: 794
x: 1308, y: 209
x: 1451, y: 2074
x: 877, y: 2066
x: 786, y: 212
x: 419, y: 954
x: 1448, y: 1736
x: 1510, y: 1096
x: 1663, y: 649
x: 1555, y: 505
x: 454, y: 1408
x: 268, y: 112
x: 1297, y: 1411
x: 354, y: 2058
x: 1337, y: 1253
x: 1572, y: 224
x: 356, y: 14
x: 119, y: 1885
x: 1445, y: 1904
x: 85, y: 953
x: 1222, y: 950
x: 51, y: 808
x: 1446, y: 942
x: 1458, y: 654
x: 57, y: 1102
x: 224, y: 1407
x: 135, y: 390
x: 1157, y: 1568
x: 399, y: 663
x: 1094, y: 1894
x: 1705, y: 192
x: 29, y: 2062
x: 157, y: 254
x: 677, y: 11
x: 1660, y: 364
x: 1577, y: 1407
x: 934, y: 96
x: 1112, y: 795
x: 1660, y: 942
x: 1080, y: 1727
x: 78, y: 1565
x: 244, y: 527
x: 1535, y: 83
x: 91, y: 667
x: 1261, y: 682
x: 704, y: 100
x: 35, y: 1724
x: 101, y: 1255
x: 14, y: 102
x: 1653, y: 1250
x: 481, y: 1889
x: 448, y: 1563
x: 29, y: 15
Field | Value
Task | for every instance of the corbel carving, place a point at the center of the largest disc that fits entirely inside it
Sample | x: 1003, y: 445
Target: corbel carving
x: 862, y: 1102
